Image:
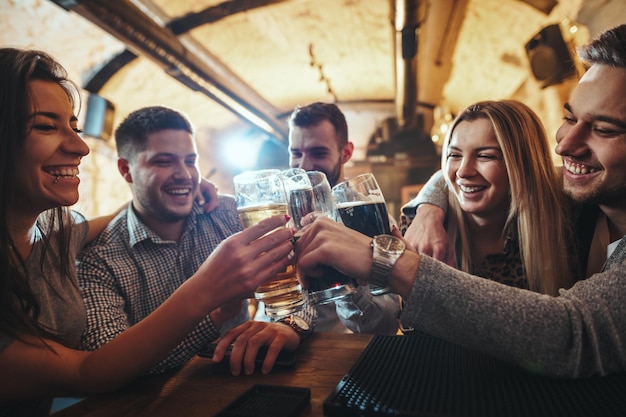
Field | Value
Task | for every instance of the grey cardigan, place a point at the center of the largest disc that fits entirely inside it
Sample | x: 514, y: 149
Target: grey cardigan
x: 581, y: 332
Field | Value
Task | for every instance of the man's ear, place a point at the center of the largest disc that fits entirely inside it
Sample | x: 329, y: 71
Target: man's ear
x: 124, y: 169
x: 346, y: 152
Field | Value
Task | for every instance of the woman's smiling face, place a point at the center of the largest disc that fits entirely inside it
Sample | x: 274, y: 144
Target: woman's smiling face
x: 476, y: 169
x: 47, y: 166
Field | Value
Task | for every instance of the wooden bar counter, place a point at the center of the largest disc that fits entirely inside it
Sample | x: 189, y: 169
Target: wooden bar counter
x: 202, y: 388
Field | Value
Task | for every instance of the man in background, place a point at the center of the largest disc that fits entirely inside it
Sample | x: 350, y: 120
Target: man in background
x: 318, y: 141
x: 160, y: 240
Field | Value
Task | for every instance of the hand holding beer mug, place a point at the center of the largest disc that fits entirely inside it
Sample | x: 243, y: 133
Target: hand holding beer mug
x: 362, y: 207
x: 261, y: 194
x: 309, y: 192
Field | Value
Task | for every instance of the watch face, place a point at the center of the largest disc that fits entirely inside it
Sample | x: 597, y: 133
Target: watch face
x: 397, y: 245
x: 390, y: 243
x: 300, y: 322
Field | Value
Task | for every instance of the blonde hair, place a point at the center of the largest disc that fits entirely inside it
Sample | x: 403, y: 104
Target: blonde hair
x: 537, y: 213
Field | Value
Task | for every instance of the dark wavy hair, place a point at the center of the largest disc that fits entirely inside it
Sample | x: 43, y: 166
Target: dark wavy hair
x: 19, y: 306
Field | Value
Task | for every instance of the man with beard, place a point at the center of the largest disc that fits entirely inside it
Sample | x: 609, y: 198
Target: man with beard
x: 580, y: 332
x: 594, y: 178
x: 318, y: 141
x: 152, y: 247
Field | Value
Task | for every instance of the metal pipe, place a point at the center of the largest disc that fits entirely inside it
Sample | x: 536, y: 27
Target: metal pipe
x: 405, y: 21
x: 141, y: 33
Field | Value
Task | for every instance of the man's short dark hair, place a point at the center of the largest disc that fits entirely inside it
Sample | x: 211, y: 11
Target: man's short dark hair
x: 315, y: 113
x: 132, y: 134
x: 609, y: 48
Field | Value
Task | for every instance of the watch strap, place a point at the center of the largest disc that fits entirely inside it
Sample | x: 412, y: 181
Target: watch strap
x: 379, y: 274
x: 386, y: 249
x: 292, y: 322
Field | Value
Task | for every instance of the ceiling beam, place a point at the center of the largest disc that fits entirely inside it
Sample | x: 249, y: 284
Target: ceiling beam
x: 184, y: 60
x: 185, y: 23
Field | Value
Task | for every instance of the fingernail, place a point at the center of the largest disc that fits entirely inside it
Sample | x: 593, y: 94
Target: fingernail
x: 287, y: 217
x: 394, y: 228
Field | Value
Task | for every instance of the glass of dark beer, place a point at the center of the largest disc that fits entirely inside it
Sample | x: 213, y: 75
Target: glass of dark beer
x: 309, y: 192
x: 361, y: 206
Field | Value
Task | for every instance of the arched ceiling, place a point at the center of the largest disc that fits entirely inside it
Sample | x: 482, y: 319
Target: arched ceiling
x: 265, y: 57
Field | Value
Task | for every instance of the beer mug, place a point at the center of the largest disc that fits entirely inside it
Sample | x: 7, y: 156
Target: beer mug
x: 259, y: 195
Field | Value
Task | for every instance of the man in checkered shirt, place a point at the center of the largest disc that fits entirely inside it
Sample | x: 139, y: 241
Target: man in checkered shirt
x: 160, y: 240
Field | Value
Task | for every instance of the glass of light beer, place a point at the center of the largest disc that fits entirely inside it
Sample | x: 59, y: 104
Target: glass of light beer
x: 309, y: 192
x: 361, y: 206
x: 259, y: 195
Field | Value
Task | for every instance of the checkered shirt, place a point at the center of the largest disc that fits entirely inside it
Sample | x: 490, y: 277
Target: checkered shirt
x: 128, y: 271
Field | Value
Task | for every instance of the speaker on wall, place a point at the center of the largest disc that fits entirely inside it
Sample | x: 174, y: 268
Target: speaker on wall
x: 99, y: 118
x: 550, y: 60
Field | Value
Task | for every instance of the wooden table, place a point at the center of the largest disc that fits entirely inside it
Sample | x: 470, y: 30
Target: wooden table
x: 202, y: 388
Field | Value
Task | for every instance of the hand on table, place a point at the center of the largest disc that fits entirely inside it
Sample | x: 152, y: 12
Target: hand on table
x: 248, y: 338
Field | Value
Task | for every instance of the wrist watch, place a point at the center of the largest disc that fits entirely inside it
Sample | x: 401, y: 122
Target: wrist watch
x: 386, y: 250
x: 297, y: 323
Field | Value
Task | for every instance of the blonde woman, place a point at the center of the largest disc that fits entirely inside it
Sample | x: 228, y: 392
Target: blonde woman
x: 579, y: 333
x: 506, y: 208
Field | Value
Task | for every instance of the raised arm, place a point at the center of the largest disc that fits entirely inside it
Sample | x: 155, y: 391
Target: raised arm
x: 30, y: 369
x: 108, y: 314
x: 581, y: 332
x: 426, y: 232
x: 207, y: 195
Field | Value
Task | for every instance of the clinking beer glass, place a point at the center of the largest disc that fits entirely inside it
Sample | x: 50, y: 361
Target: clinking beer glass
x: 259, y: 195
x: 362, y: 207
x: 309, y: 192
